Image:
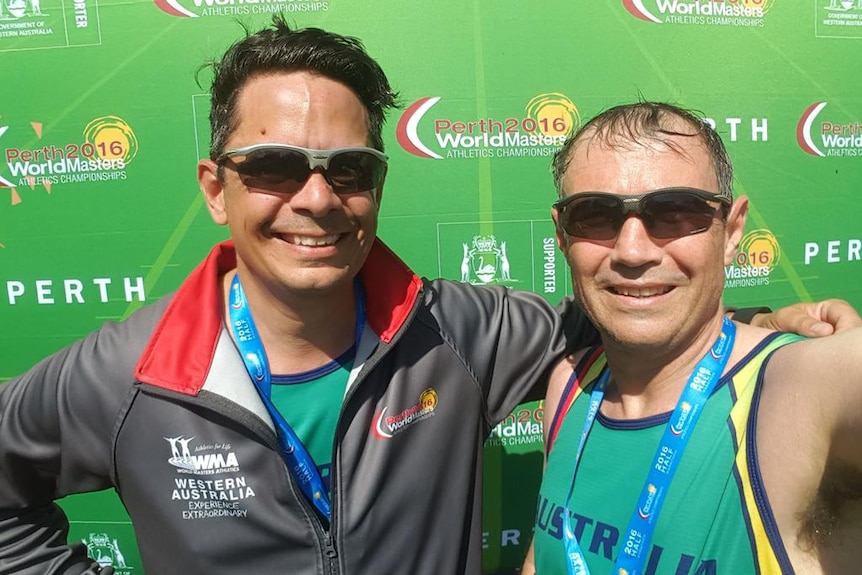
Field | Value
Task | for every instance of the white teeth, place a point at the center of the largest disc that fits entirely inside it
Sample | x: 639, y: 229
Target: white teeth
x: 312, y: 241
x: 641, y: 292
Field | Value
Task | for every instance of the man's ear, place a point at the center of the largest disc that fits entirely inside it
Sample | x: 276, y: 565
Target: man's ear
x: 735, y: 228
x: 213, y: 190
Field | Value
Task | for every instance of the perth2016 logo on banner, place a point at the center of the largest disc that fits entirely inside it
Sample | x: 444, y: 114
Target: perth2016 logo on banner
x: 198, y: 8
x: 39, y: 24
x: 825, y: 134
x: 106, y: 147
x: 521, y: 428
x: 756, y: 257
x: 448, y: 132
x: 742, y: 13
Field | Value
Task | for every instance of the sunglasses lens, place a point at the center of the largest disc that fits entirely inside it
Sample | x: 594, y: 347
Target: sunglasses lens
x: 676, y: 214
x: 274, y: 169
x: 285, y: 170
x: 665, y: 214
x: 355, y: 171
x: 593, y: 218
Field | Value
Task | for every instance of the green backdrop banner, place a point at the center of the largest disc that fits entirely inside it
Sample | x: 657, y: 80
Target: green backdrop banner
x: 102, y: 120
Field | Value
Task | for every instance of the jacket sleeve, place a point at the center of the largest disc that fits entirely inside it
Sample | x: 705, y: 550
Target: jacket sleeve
x: 33, y: 542
x: 530, y: 342
x: 533, y: 338
x: 56, y: 427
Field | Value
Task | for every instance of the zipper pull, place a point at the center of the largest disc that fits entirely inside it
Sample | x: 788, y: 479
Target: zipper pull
x: 331, y: 553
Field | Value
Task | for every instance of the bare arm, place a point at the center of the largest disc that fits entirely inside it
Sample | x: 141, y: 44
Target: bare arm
x: 841, y: 358
x: 809, y: 422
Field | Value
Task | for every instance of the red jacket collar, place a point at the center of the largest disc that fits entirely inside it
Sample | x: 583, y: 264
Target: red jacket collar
x: 181, y: 349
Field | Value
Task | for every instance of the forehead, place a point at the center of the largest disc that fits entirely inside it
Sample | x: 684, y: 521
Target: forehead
x: 620, y: 166
x: 301, y: 108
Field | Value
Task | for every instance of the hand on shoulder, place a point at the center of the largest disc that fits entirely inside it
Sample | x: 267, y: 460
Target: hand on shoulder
x: 811, y: 319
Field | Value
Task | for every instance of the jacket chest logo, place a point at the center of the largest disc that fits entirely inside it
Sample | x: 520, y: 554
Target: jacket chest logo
x: 209, y: 483
x: 387, y: 426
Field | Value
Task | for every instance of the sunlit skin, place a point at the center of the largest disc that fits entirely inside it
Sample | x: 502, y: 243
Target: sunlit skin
x: 297, y: 253
x: 659, y: 299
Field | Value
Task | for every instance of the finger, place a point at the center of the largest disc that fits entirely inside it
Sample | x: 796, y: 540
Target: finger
x: 808, y: 326
x: 840, y: 314
x: 801, y: 318
x: 814, y: 328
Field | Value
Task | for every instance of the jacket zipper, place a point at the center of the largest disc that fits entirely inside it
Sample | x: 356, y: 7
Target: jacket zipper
x: 331, y: 554
x: 329, y: 536
x: 324, y: 535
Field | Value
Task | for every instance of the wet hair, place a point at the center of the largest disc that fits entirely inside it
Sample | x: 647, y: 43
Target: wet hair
x: 640, y: 124
x: 277, y: 49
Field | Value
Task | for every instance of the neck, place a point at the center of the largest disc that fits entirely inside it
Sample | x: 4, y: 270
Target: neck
x: 299, y: 331
x: 649, y: 380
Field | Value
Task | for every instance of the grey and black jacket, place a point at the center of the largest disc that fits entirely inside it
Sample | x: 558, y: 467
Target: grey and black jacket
x: 160, y: 408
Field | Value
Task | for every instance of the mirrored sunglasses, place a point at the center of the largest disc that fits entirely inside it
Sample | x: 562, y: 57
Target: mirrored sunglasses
x: 285, y: 168
x: 667, y: 213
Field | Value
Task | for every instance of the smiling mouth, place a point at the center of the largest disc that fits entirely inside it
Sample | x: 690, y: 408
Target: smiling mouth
x: 311, y: 241
x: 641, y: 292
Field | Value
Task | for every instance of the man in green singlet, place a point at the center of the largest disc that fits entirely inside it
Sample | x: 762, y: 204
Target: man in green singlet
x: 712, y: 448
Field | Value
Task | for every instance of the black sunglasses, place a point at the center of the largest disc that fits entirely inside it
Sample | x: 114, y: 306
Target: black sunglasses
x: 667, y: 213
x: 285, y: 168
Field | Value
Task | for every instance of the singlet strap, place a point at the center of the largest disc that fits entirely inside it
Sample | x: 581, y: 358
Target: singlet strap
x: 572, y: 391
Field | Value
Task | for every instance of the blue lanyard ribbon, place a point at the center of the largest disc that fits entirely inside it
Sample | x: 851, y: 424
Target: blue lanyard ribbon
x: 638, y: 534
x: 253, y: 355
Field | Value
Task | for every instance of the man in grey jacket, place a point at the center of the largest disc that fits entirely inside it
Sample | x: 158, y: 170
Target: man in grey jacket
x: 304, y: 403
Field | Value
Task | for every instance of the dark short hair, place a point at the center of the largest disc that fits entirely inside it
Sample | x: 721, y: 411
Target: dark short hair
x: 278, y: 48
x: 628, y: 124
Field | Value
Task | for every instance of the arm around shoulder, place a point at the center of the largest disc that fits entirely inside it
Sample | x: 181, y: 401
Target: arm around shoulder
x: 577, y: 327
x: 811, y: 319
x: 529, y: 343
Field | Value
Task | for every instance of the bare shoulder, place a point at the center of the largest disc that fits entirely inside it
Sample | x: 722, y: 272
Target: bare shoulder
x: 819, y: 382
x: 815, y: 386
x: 824, y: 356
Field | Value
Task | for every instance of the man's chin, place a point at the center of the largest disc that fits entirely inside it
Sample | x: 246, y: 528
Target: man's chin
x: 320, y: 285
x: 640, y: 339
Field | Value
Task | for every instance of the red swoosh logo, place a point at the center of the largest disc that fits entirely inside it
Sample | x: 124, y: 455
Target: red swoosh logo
x: 803, y: 129
x: 406, y: 130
